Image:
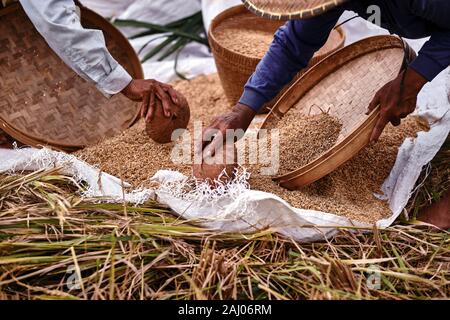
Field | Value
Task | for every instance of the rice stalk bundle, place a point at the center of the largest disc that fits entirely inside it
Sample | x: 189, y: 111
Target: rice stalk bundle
x: 56, y: 245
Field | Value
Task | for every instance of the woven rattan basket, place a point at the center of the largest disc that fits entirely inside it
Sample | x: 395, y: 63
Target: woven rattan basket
x: 342, y: 85
x: 235, y: 68
x: 290, y: 9
x: 43, y: 102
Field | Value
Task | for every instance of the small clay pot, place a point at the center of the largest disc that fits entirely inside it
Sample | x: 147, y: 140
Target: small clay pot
x: 160, y: 128
x: 210, y: 170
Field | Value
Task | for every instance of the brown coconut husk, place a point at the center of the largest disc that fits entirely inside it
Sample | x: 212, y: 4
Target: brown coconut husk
x: 161, y: 128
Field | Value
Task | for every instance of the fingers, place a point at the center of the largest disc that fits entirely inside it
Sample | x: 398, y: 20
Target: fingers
x: 173, y: 94
x: 403, y: 115
x: 396, y: 122
x: 374, y: 103
x: 199, y: 143
x: 379, y: 127
x: 215, y: 145
x: 203, y: 143
x: 211, y: 140
x: 198, y: 146
x: 144, y: 105
x: 151, y: 107
x: 164, y: 97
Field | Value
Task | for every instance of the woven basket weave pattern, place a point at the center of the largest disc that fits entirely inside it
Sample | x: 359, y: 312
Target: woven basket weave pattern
x: 346, y: 93
x: 341, y: 85
x: 288, y: 10
x: 44, y: 99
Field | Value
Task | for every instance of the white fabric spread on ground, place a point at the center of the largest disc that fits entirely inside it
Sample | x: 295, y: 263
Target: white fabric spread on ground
x: 242, y: 209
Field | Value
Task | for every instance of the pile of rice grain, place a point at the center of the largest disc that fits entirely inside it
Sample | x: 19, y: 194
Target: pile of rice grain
x: 348, y: 191
x: 304, y: 138
x: 250, y: 43
x: 254, y: 40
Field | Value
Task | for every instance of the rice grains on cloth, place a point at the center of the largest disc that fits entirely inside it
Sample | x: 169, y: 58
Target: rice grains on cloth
x: 347, y: 192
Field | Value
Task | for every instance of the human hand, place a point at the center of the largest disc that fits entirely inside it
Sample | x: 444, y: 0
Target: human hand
x: 213, y: 137
x: 147, y: 91
x: 397, y: 99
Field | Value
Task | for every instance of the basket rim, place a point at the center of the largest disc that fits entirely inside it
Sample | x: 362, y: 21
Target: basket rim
x: 296, y: 15
x: 105, y: 26
x: 243, y: 59
x: 289, y: 181
x: 287, y: 101
x: 27, y: 140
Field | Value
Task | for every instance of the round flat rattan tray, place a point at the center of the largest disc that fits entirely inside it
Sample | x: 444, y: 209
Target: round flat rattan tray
x: 235, y: 68
x: 289, y: 10
x: 45, y: 103
x: 342, y: 85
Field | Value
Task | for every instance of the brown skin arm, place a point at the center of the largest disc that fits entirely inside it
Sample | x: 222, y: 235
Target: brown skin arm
x: 146, y: 91
x: 397, y: 99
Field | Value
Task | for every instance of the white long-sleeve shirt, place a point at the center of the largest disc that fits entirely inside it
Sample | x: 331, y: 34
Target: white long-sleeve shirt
x: 84, y: 50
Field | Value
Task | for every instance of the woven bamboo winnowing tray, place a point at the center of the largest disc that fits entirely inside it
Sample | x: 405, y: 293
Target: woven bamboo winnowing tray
x: 342, y: 85
x: 290, y: 9
x: 45, y: 103
x: 234, y: 68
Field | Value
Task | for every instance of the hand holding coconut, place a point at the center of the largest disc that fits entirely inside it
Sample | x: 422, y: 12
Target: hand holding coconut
x: 147, y: 91
x: 163, y: 108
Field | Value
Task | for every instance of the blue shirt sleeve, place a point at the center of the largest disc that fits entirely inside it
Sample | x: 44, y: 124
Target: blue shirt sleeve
x: 435, y: 11
x: 293, y: 47
x: 434, y: 56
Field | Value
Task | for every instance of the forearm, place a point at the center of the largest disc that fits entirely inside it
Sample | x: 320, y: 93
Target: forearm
x: 436, y: 11
x: 413, y: 82
x: 83, y: 50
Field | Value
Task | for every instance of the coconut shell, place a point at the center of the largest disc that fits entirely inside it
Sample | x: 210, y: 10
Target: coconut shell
x: 210, y: 170
x: 160, y: 128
